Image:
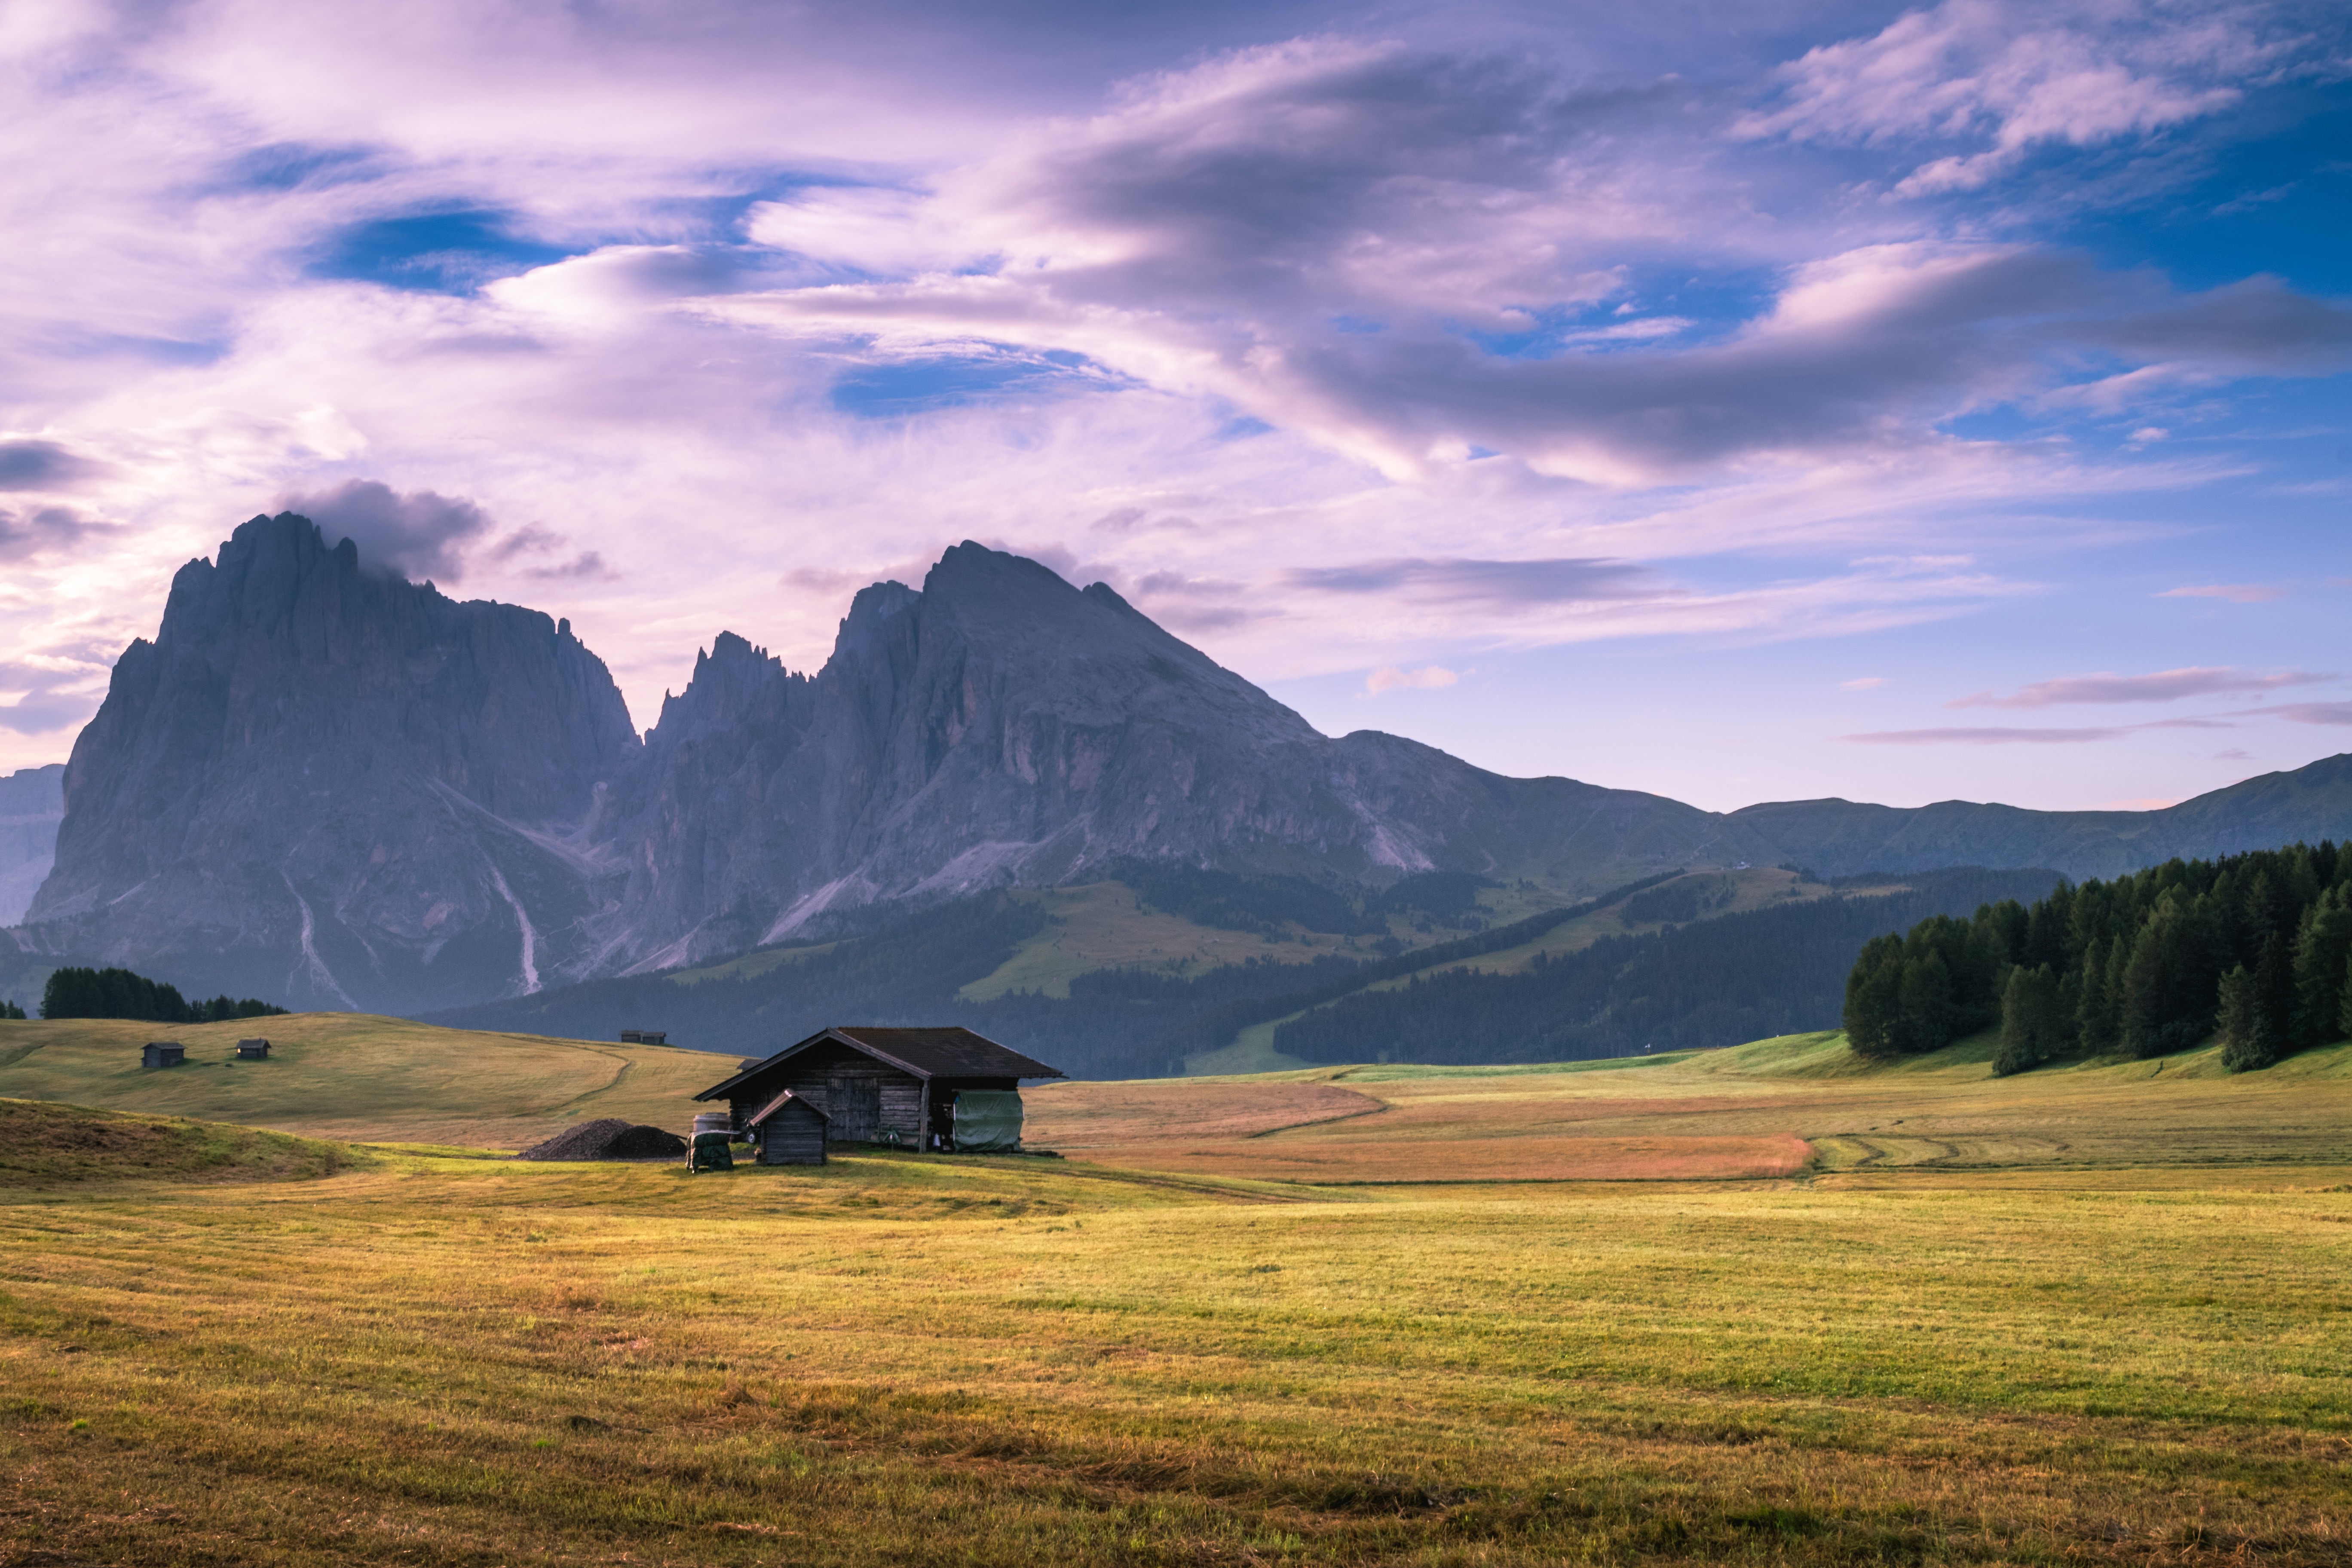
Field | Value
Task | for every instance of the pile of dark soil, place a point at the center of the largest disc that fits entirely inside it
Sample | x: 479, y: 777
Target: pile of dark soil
x: 609, y: 1138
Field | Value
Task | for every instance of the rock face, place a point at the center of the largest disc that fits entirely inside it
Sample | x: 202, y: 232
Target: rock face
x: 1001, y: 726
x: 32, y: 803
x: 332, y: 788
x: 336, y: 788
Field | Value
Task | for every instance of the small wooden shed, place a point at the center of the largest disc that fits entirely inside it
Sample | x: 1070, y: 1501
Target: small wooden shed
x: 789, y: 1131
x: 163, y: 1054
x: 253, y: 1050
x: 878, y: 1085
x: 644, y: 1037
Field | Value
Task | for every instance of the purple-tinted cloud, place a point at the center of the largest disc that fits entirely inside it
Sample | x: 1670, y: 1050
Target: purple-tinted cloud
x: 2165, y: 686
x: 421, y: 535
x: 42, y: 466
x: 1554, y: 581
x: 2316, y: 713
x: 1987, y: 737
x: 2235, y: 593
x: 43, y: 530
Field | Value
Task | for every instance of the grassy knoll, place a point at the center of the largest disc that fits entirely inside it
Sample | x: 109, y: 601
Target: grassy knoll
x: 898, y: 1359
x: 46, y: 1145
x: 352, y: 1076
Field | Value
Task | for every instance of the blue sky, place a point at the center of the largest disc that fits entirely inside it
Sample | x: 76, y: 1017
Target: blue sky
x: 1739, y: 403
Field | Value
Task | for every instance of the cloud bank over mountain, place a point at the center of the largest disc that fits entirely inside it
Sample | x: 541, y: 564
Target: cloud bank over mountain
x: 1565, y: 349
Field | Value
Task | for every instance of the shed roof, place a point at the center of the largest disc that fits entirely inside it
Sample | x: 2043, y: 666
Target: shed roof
x: 926, y: 1052
x: 777, y: 1104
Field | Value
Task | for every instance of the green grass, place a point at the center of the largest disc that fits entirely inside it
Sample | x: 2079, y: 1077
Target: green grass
x: 355, y: 1076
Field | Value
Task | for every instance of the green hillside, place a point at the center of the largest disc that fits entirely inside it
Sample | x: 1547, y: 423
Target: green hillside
x: 356, y: 1077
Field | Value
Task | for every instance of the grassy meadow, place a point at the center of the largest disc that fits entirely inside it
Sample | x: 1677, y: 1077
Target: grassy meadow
x: 351, y: 1076
x: 2087, y: 1315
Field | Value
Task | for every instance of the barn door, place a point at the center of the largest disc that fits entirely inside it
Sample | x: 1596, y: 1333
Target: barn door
x: 855, y: 1106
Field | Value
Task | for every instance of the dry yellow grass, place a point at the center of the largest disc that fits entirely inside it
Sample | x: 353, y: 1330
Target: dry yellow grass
x: 1736, y: 1114
x: 898, y: 1359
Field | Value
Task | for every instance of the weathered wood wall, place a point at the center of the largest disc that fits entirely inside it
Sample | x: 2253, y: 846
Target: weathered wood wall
x: 794, y: 1136
x: 816, y: 1074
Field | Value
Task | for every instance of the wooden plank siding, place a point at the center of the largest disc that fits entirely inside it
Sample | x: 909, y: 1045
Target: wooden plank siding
x: 794, y: 1136
x: 831, y: 1077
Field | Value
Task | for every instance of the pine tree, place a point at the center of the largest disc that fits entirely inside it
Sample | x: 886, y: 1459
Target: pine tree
x: 2029, y: 1017
x: 2323, y: 952
x: 2246, y: 1039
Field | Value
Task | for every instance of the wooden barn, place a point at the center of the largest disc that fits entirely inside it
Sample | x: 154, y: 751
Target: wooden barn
x: 890, y: 1085
x: 789, y: 1130
x: 163, y: 1054
x: 253, y: 1050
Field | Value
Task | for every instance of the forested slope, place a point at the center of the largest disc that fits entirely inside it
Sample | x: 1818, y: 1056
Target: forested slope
x: 1713, y: 982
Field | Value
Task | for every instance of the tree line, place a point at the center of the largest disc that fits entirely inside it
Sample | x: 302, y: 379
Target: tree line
x: 1715, y: 981
x: 2254, y: 948
x: 74, y: 993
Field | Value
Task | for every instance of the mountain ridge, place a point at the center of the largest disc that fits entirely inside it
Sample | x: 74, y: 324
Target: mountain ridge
x: 328, y: 786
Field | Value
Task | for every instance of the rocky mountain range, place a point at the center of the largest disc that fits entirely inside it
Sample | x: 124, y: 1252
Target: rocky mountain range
x: 32, y: 804
x: 330, y: 786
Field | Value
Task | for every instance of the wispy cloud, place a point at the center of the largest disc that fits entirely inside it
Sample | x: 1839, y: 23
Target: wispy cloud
x: 1429, y: 678
x: 1986, y: 737
x: 2235, y: 593
x: 2165, y: 686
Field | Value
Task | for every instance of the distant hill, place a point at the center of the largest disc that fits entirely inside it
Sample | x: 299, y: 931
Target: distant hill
x: 1839, y: 837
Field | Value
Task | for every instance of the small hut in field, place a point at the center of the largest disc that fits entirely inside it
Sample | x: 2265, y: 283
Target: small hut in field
x: 163, y: 1054
x: 644, y: 1037
x: 253, y: 1050
x: 789, y: 1130
x: 946, y: 1090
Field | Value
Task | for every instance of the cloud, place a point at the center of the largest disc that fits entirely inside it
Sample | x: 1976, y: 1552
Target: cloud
x: 42, y: 531
x: 2007, y: 79
x: 1389, y: 678
x: 586, y: 566
x: 1863, y: 683
x: 30, y: 465
x: 2233, y: 755
x: 420, y: 535
x: 2236, y: 593
x: 2165, y: 686
x: 1555, y: 582
x: 1987, y: 737
x: 2316, y: 713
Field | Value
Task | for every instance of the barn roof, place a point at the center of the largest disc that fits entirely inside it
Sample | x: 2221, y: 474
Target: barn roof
x: 926, y: 1052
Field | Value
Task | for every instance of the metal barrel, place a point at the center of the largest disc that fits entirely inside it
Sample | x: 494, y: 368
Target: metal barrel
x: 714, y: 1121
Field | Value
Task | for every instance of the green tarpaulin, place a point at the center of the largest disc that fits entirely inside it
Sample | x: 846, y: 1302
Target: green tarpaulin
x: 987, y: 1122
x: 710, y: 1152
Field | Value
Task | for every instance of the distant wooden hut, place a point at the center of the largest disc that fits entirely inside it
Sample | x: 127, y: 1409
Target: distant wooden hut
x: 789, y: 1130
x: 163, y: 1054
x: 892, y: 1086
x: 253, y: 1050
x: 644, y: 1037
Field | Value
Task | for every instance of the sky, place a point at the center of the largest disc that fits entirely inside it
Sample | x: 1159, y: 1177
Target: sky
x: 1736, y: 402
